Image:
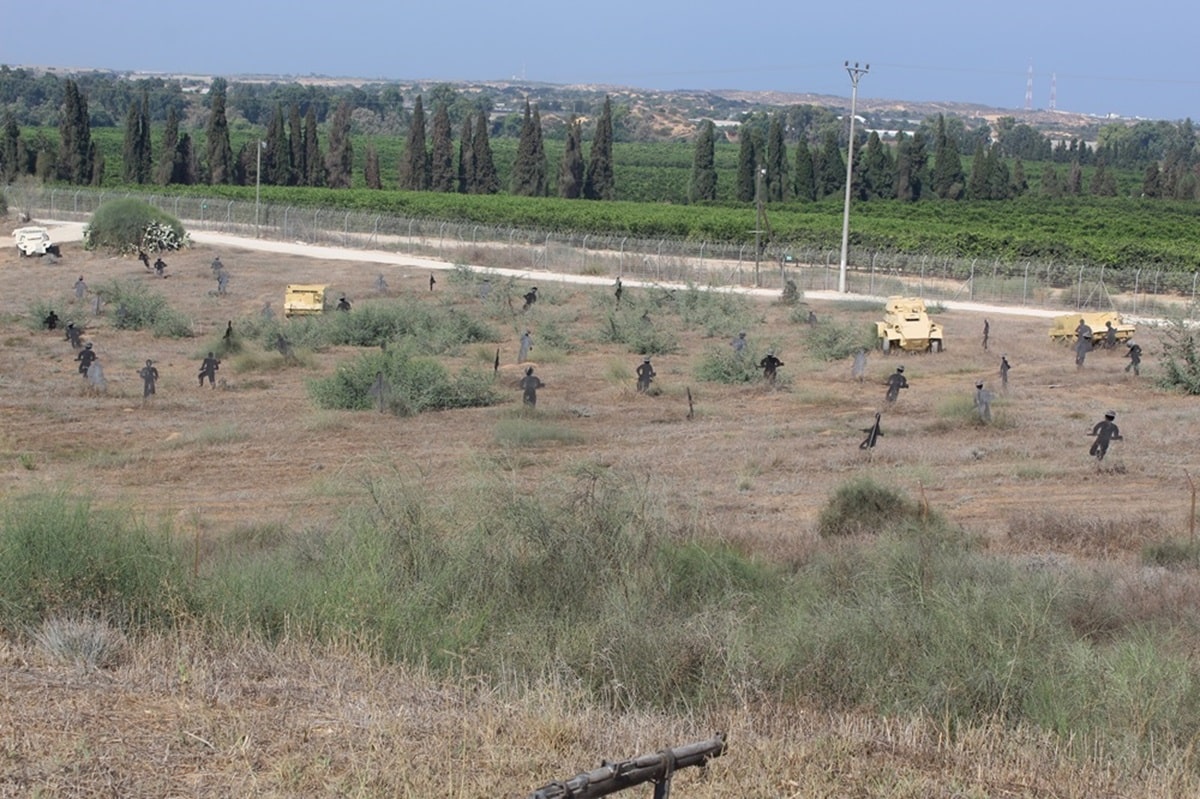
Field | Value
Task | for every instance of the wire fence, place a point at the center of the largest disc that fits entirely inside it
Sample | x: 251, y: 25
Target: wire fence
x: 1147, y: 290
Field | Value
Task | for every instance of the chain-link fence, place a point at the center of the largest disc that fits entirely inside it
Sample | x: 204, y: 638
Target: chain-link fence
x: 1135, y: 291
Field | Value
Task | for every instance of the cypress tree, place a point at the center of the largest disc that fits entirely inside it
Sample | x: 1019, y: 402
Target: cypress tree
x: 570, y: 173
x: 414, y: 166
x: 220, y: 154
x: 277, y: 157
x: 145, y: 143
x: 10, y: 147
x: 911, y: 161
x: 747, y: 165
x: 371, y: 171
x: 1074, y: 185
x: 314, y: 162
x: 949, y: 181
x: 441, y: 163
x: 466, y: 159
x: 878, y: 172
x: 244, y: 164
x: 804, y: 187
x: 831, y: 167
x: 703, y: 186
x: 340, y: 159
x: 129, y: 145
x: 542, y: 180
x: 486, y: 179
x: 1051, y: 187
x: 167, y: 166
x: 75, y: 160
x: 299, y: 176
x: 522, y: 164
x: 776, y: 162
x: 977, y: 184
x: 1103, y: 184
x: 599, y: 183
x: 97, y: 161
x: 529, y: 168
x: 999, y: 180
x: 1020, y: 183
x: 187, y: 162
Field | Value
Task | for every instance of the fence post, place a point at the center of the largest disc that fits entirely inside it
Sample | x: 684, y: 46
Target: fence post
x: 1079, y: 289
x: 1192, y: 309
x: 971, y: 281
x: 621, y: 259
x: 1025, y: 286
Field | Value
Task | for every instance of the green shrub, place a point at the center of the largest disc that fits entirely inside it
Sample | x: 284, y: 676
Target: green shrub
x: 423, y: 328
x: 133, y: 306
x: 864, y: 506
x: 833, y: 341
x: 431, y: 330
x: 715, y: 312
x: 40, y: 309
x: 1181, y: 359
x: 128, y: 225
x: 412, y: 384
x: 726, y: 366
x: 638, y: 332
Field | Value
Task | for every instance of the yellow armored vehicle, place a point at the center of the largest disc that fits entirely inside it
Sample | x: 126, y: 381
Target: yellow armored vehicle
x: 1062, y: 331
x: 907, y: 326
x: 304, y: 299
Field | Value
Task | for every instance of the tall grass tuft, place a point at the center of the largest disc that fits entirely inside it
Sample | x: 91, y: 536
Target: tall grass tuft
x: 61, y: 557
x: 86, y: 643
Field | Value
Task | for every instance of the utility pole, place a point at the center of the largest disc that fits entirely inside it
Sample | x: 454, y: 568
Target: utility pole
x: 856, y: 72
x: 257, y: 181
x: 760, y: 174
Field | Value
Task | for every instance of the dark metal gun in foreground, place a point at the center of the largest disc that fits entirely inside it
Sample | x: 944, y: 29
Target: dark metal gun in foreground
x: 657, y: 768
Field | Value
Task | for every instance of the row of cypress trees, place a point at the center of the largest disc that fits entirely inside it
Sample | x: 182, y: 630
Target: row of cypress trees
x: 292, y: 154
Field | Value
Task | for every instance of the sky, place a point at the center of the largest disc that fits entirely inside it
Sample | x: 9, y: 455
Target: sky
x: 1133, y: 59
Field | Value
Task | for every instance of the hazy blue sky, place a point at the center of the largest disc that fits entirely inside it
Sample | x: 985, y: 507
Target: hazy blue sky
x: 1128, y: 58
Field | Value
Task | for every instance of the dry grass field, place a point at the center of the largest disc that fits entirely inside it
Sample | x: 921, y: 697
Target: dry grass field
x: 754, y: 464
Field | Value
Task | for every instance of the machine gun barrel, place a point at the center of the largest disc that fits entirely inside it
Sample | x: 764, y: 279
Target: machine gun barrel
x: 612, y: 777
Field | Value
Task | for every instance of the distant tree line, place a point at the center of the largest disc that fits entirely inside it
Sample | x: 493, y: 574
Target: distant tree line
x: 799, y: 151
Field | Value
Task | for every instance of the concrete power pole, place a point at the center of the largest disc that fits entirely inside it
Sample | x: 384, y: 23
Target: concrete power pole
x: 856, y: 72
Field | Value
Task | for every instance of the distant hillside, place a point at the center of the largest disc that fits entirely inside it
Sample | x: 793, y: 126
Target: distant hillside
x: 653, y: 115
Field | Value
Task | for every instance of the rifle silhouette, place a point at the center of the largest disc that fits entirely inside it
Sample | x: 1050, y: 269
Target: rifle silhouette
x: 657, y: 768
